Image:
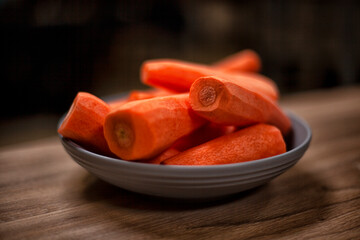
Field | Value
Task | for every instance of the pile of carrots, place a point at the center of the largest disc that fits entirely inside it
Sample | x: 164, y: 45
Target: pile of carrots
x: 193, y: 114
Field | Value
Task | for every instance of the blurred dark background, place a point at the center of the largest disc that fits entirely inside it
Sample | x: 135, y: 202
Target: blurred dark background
x: 52, y: 49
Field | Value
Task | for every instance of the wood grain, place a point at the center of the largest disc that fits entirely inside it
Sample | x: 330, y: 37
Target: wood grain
x: 45, y: 195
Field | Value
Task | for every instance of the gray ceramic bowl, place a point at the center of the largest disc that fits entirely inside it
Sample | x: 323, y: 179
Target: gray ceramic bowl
x: 193, y: 182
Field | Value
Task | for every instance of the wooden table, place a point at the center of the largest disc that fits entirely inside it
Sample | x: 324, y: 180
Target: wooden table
x: 45, y: 195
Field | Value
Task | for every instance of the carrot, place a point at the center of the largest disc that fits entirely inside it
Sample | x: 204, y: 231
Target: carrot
x: 144, y: 128
x: 243, y: 61
x: 139, y: 95
x: 117, y: 102
x: 225, y: 101
x: 251, y: 143
x: 179, y: 76
x: 202, y: 135
x: 168, y: 153
x: 146, y: 94
x: 84, y: 122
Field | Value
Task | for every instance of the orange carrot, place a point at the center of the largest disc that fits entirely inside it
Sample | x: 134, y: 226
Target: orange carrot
x: 146, y: 94
x: 84, y: 122
x: 139, y: 95
x: 202, y: 135
x: 179, y: 76
x: 251, y: 143
x: 117, y: 102
x: 243, y: 61
x: 168, y: 153
x: 224, y: 101
x: 142, y: 129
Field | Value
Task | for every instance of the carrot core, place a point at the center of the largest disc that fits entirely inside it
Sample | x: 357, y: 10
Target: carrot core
x: 207, y: 96
x: 124, y: 134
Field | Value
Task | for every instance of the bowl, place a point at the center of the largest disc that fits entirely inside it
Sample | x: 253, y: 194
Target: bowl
x: 193, y: 182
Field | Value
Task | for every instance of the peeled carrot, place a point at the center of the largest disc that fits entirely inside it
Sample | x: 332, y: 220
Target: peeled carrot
x: 146, y: 94
x: 251, y: 143
x: 139, y: 95
x: 225, y: 101
x: 144, y: 128
x: 118, y: 102
x: 168, y: 153
x: 243, y: 61
x: 201, y: 135
x: 84, y: 122
x: 179, y: 76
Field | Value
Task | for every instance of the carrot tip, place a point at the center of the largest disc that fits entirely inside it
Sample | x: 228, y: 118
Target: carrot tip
x: 124, y: 134
x: 207, y: 96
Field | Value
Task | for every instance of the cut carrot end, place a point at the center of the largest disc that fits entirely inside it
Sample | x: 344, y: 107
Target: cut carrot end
x: 206, y: 92
x: 124, y: 134
x: 207, y: 96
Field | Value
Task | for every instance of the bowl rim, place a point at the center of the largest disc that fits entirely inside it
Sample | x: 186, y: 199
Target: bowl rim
x: 159, y: 167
